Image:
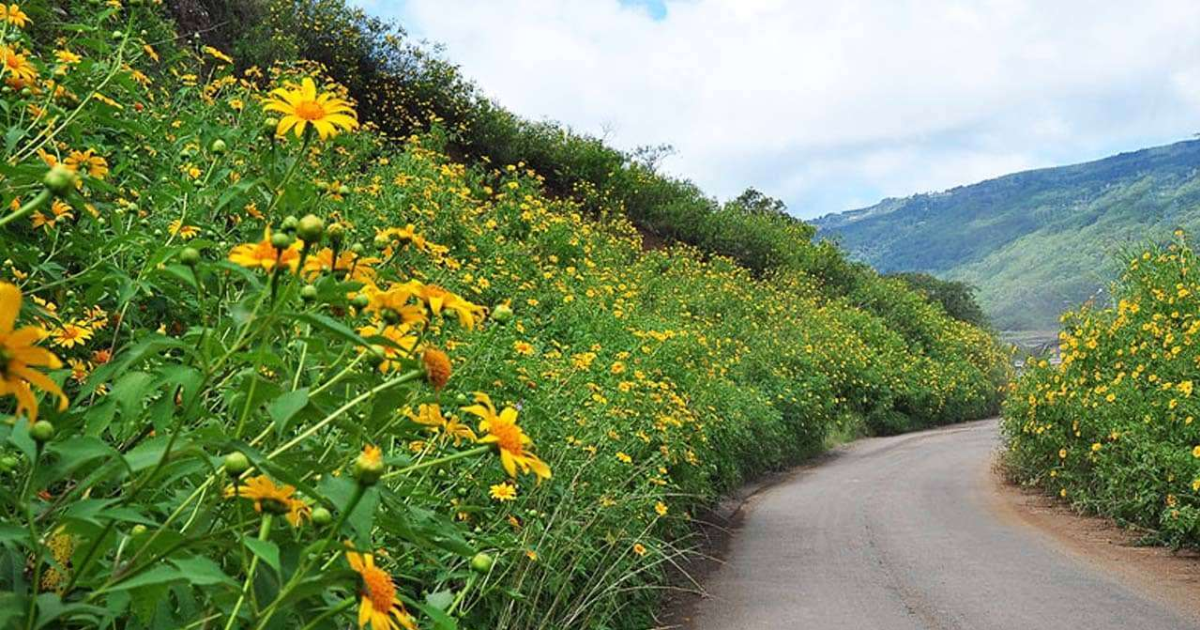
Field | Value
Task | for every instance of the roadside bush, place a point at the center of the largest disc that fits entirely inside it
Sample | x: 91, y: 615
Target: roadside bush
x: 1112, y: 429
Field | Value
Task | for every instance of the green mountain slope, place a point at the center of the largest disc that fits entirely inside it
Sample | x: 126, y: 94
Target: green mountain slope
x: 1035, y: 242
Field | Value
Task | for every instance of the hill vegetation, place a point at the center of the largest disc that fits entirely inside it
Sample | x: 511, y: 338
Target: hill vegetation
x: 1034, y: 243
x: 297, y: 330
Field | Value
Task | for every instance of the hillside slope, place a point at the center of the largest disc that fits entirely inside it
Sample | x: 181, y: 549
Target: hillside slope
x: 1034, y: 242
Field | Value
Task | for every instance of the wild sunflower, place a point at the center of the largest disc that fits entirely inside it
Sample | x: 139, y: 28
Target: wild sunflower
x: 503, y: 492
x: 13, y: 15
x: 182, y: 230
x: 302, y: 105
x: 502, y: 430
x: 438, y: 299
x: 18, y: 68
x: 379, y: 607
x: 276, y: 499
x: 18, y: 354
x: 71, y: 334
x: 264, y: 255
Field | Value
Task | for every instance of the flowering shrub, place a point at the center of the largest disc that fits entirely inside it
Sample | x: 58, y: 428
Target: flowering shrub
x: 1112, y: 429
x: 262, y: 367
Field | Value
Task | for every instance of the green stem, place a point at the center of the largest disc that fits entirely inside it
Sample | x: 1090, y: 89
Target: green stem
x: 437, y: 462
x: 279, y: 190
x: 263, y: 533
x: 347, y: 603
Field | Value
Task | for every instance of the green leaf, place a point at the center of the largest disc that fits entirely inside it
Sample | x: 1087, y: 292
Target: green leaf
x: 266, y: 551
x: 331, y: 325
x: 284, y: 407
x: 158, y: 575
x: 202, y: 571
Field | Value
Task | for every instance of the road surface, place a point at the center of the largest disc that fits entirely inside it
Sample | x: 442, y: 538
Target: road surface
x: 902, y: 533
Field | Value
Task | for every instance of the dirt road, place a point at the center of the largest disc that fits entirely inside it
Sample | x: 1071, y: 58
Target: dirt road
x: 907, y: 533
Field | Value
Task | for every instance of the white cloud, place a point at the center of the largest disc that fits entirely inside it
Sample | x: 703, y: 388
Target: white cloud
x: 826, y: 104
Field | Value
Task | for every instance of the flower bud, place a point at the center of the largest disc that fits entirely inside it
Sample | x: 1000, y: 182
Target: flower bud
x: 236, y: 463
x: 42, y: 431
x: 502, y: 313
x: 336, y: 233
x: 360, y: 301
x: 310, y: 229
x: 60, y: 180
x: 218, y: 146
x: 368, y: 467
x: 138, y: 530
x: 481, y: 563
x: 321, y: 516
x: 281, y: 240
x: 381, y: 241
x: 8, y: 463
x: 189, y: 256
x: 270, y: 124
x: 308, y: 293
x: 357, y: 249
x: 343, y: 190
x: 289, y: 224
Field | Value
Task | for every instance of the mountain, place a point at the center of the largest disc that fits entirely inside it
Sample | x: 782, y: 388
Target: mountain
x: 1036, y: 242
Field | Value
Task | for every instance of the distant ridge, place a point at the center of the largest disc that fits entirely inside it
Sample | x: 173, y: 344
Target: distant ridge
x: 1034, y: 242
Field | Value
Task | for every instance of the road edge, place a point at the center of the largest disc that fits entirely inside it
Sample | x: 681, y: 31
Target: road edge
x: 1157, y: 573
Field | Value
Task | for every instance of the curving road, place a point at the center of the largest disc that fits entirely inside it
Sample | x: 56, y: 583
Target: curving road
x: 902, y: 533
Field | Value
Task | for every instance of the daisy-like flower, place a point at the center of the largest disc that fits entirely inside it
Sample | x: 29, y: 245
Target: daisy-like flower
x: 95, y: 165
x: 437, y: 299
x: 59, y: 211
x: 302, y: 106
x: 275, y: 499
x: 430, y: 416
x: 401, y: 348
x: 503, y: 492
x: 502, y: 430
x: 71, y: 334
x: 186, y: 232
x: 13, y: 15
x: 18, y: 355
x: 360, y: 267
x: 379, y: 606
x: 263, y: 255
x: 20, y: 72
x: 396, y: 301
x: 218, y: 55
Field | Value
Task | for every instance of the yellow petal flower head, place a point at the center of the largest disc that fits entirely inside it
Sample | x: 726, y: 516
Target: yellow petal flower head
x: 276, y: 499
x: 302, y: 105
x: 13, y: 15
x: 502, y: 430
x: 263, y: 255
x: 17, y: 68
x: 437, y: 299
x: 379, y: 606
x: 18, y: 355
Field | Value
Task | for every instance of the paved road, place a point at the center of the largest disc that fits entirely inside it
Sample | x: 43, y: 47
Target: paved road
x: 899, y: 534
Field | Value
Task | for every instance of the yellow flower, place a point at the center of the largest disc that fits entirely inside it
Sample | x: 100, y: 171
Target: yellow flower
x: 438, y: 299
x: 71, y: 334
x: 18, y: 354
x: 277, y: 499
x: 1062, y: 453
x: 1096, y: 447
x: 186, y: 232
x: 218, y: 55
x: 639, y: 549
x: 263, y: 255
x: 401, y: 346
x: 430, y: 416
x: 624, y: 458
x: 59, y: 211
x: 502, y: 430
x: 302, y: 106
x: 379, y: 606
x: 96, y: 165
x: 13, y: 15
x: 1196, y: 451
x: 360, y: 267
x: 21, y: 72
x: 660, y: 508
x: 503, y: 492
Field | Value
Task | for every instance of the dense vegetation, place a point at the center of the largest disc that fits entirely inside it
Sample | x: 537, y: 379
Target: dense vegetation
x: 267, y: 364
x: 1035, y: 243
x: 1112, y: 429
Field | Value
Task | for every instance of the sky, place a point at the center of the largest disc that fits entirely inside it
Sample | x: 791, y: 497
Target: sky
x: 835, y: 105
